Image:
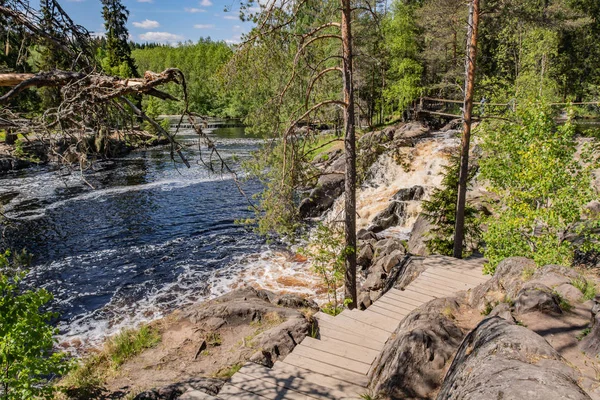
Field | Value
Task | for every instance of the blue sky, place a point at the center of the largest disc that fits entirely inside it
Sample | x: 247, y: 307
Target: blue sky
x: 167, y: 21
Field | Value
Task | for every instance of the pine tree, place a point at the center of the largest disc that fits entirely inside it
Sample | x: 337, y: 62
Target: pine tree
x: 117, y: 39
x: 440, y: 211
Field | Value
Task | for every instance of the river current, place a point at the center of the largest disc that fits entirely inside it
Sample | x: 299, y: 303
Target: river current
x: 150, y: 236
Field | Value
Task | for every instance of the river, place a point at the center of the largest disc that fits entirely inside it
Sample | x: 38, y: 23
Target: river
x: 150, y: 236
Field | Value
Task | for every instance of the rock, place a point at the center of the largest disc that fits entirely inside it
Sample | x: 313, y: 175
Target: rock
x: 393, y: 215
x: 278, y: 342
x: 214, y: 323
x: 410, y: 131
x: 294, y: 301
x: 365, y: 255
x: 412, y: 363
x: 452, y: 125
x: 364, y: 300
x: 375, y: 279
x: 537, y: 298
x: 13, y: 164
x: 506, y: 283
x: 390, y: 261
x: 385, y: 247
x: 365, y: 234
x: 203, y: 385
x: 502, y: 310
x: 499, y: 360
x: 321, y: 198
x: 591, y: 343
x: 413, y: 268
x: 409, y: 194
x: 338, y: 166
x: 569, y: 292
x: 418, y: 236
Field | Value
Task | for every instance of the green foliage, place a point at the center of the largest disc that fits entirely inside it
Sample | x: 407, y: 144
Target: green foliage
x: 118, y: 59
x: 131, y: 342
x: 584, y: 333
x: 27, y: 359
x: 228, y: 372
x: 440, y: 211
x: 542, y: 187
x: 87, y: 378
x: 562, y: 302
x: 405, y: 70
x: 327, y: 253
x: 201, y: 63
x: 587, y: 288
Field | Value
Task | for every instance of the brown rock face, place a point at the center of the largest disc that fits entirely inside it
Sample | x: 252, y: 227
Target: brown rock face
x: 412, y: 363
x: 499, y: 360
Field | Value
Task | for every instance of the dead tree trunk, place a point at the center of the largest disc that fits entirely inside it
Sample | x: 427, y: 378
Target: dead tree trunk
x: 459, y: 234
x: 350, y: 148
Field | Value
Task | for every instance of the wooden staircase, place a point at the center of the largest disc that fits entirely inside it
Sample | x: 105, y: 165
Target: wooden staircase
x: 336, y: 365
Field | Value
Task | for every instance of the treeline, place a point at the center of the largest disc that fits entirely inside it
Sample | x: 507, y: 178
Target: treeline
x: 201, y: 63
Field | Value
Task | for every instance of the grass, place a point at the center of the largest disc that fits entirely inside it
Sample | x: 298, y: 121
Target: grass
x: 584, y: 333
x: 488, y: 309
x: 587, y: 288
x: 321, y: 144
x: 86, y: 378
x: 214, y: 339
x: 448, y: 312
x: 563, y: 303
x: 228, y: 372
x: 527, y: 273
x: 332, y: 310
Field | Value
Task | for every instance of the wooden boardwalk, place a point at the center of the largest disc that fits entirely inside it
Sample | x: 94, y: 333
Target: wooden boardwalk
x: 336, y: 365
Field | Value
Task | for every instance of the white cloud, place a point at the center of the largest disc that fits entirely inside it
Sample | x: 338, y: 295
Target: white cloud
x: 147, y: 24
x: 194, y: 10
x: 204, y: 26
x: 161, y: 37
x: 206, y: 3
x: 231, y: 17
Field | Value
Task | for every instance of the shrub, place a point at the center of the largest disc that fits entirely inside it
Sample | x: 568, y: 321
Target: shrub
x: 543, y: 183
x: 27, y: 359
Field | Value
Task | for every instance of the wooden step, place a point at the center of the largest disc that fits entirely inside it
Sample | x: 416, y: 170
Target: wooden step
x: 413, y: 295
x: 385, y: 312
x: 426, y: 281
x: 346, y: 350
x: 352, y: 325
x: 196, y: 395
x: 399, y: 311
x: 397, y: 303
x: 291, y: 380
x: 332, y: 359
x: 376, y: 320
x: 264, y: 388
x: 461, y: 284
x: 231, y: 392
x: 429, y: 288
x: 406, y: 300
x: 452, y: 274
x: 293, y: 375
x: 327, y: 331
x: 327, y: 369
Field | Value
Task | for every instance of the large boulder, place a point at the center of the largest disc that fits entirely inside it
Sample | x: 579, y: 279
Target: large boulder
x: 417, y: 243
x: 591, y: 343
x: 412, y: 130
x: 537, y: 298
x: 410, y: 194
x: 413, y: 361
x: 322, y: 197
x: 393, y: 215
x: 500, y: 360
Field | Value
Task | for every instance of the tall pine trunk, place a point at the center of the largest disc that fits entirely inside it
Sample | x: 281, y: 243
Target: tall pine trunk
x: 350, y: 148
x: 459, y: 234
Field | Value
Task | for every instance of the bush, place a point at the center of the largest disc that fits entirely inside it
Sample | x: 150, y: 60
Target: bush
x: 27, y: 359
x: 543, y: 183
x: 440, y: 211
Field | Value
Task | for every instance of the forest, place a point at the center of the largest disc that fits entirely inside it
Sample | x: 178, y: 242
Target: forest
x: 471, y: 112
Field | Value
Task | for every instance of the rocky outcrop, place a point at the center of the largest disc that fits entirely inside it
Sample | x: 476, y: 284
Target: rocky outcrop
x: 248, y: 305
x: 413, y: 361
x: 591, y: 343
x: 500, y: 360
x: 12, y: 164
x: 417, y: 244
x: 171, y: 392
x: 322, y: 197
